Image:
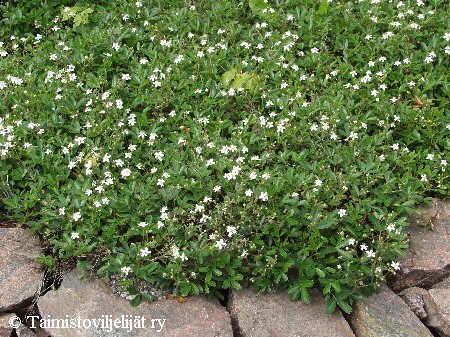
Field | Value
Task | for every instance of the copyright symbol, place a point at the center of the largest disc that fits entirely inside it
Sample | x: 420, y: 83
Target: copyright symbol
x: 14, y: 322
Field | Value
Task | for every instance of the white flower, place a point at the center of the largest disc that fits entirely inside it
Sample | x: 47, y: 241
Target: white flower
x: 252, y: 175
x: 430, y: 156
x: 370, y: 253
x: 391, y: 227
x: 353, y: 135
x: 159, y: 155
x: 76, y: 216
x: 363, y: 246
x: 342, y: 212
x: 178, y: 59
x: 395, y: 265
x: 220, y: 244
x: 144, y: 252
x: 263, y: 196
x: 126, y: 172
x: 142, y: 224
x: 62, y: 211
x: 199, y: 208
x: 318, y: 182
x: 351, y: 242
x: 183, y: 257
x: 248, y: 193
x: 125, y: 270
x: 75, y: 235
x: 210, y: 162
x: 231, y: 231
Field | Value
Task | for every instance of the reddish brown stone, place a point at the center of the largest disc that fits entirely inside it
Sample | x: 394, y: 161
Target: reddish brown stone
x: 431, y: 306
x: 24, y: 331
x: 444, y: 284
x: 5, y: 327
x: 414, y: 298
x: 428, y: 258
x: 385, y: 314
x: 273, y: 315
x: 94, y: 300
x: 20, y: 275
x: 440, y: 302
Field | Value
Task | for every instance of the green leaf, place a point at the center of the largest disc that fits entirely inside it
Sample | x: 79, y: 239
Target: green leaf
x: 236, y: 80
x: 323, y: 7
x: 236, y: 285
x: 305, y: 295
x: 331, y: 306
x: 416, y: 134
x: 327, y: 223
x: 245, y: 80
x: 227, y: 77
x: 308, y: 283
x: 345, y: 306
x: 226, y: 284
x: 336, y: 286
x: 132, y: 291
x: 263, y: 10
x: 136, y: 300
x: 320, y: 272
x: 294, y: 292
x: 185, y: 288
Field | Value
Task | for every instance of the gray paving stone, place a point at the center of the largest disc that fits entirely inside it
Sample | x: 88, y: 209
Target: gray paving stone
x: 93, y: 300
x: 385, y: 314
x: 274, y: 315
x: 428, y: 259
x: 20, y: 275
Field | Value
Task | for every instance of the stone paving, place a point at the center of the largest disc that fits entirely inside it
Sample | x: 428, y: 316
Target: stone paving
x: 415, y: 303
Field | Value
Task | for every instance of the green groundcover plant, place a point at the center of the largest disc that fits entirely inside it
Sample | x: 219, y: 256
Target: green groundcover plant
x: 216, y: 144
